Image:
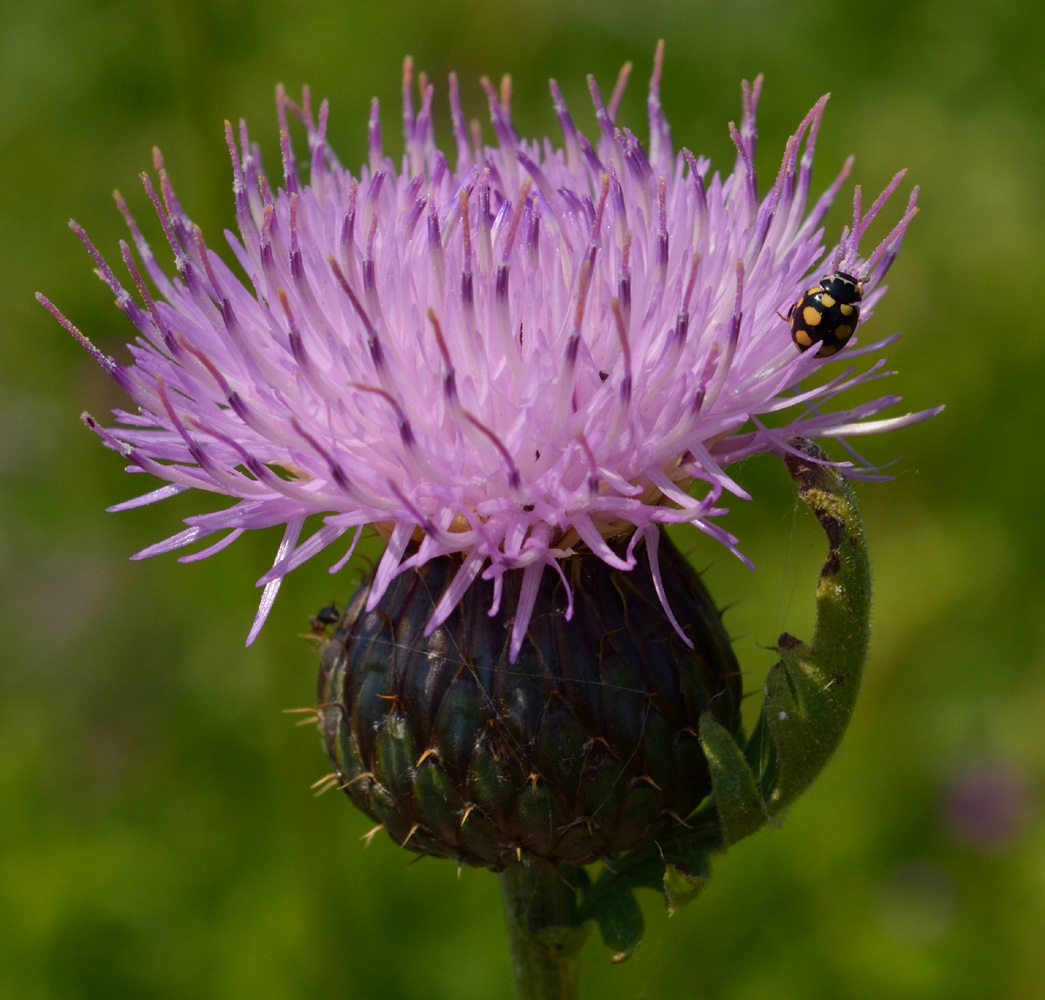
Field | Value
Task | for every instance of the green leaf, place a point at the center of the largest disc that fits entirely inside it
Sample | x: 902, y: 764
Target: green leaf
x: 741, y: 810
x: 682, y: 886
x: 620, y: 922
x: 811, y: 692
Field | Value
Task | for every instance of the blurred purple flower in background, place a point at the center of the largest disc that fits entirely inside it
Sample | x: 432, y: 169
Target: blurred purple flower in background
x: 503, y: 354
x: 986, y: 805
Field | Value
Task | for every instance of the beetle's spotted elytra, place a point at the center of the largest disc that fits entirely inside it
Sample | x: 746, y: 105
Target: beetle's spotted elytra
x: 826, y: 314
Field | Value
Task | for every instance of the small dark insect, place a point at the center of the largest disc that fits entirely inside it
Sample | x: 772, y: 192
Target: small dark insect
x: 826, y: 314
x: 324, y: 618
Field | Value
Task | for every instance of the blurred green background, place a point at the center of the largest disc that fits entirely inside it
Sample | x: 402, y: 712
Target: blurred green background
x: 158, y: 837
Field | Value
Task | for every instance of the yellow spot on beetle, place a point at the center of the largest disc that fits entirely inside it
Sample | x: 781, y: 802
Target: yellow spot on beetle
x: 845, y: 309
x: 827, y: 350
x: 844, y: 332
x: 811, y: 315
x: 803, y: 338
x: 827, y: 300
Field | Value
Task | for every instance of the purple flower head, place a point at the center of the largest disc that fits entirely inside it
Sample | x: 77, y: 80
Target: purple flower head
x: 506, y: 354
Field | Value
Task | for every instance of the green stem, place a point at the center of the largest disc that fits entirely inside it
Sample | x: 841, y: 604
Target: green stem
x: 544, y: 939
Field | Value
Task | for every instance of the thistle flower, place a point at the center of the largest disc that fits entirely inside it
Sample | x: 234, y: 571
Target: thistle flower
x: 519, y: 369
x: 506, y: 355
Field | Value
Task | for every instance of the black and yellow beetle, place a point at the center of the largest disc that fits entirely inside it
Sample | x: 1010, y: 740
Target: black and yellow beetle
x: 826, y: 314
